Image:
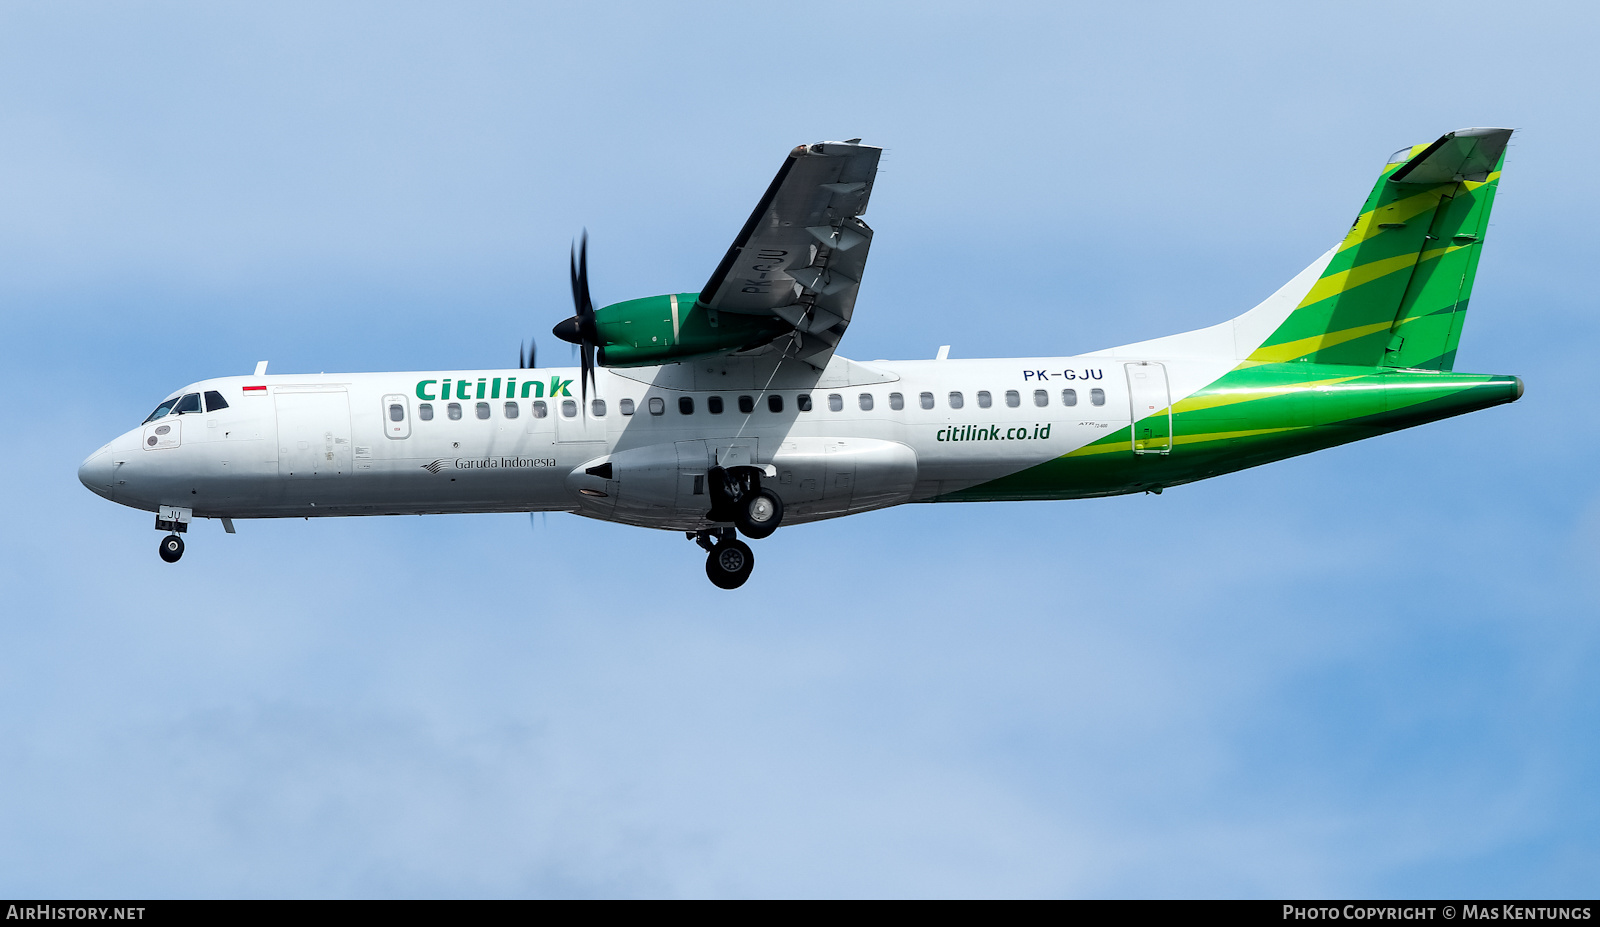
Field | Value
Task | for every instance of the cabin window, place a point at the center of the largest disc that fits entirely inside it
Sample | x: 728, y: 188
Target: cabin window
x: 774, y: 403
x: 714, y: 405
x: 626, y: 406
x: 453, y: 411
x: 569, y: 408
x: 1013, y: 399
x: 835, y: 402
x: 189, y: 403
x: 747, y: 404
x: 597, y: 408
x: 803, y: 402
x: 927, y: 400
x: 214, y: 401
x: 1069, y: 397
x: 397, y: 412
x: 897, y: 401
x: 1041, y: 398
x: 658, y: 405
x: 539, y: 409
x: 866, y: 402
x: 425, y: 411
x: 956, y: 401
x: 1097, y: 396
x: 161, y: 410
x: 984, y: 400
x: 685, y: 405
x: 512, y: 411
x: 482, y: 410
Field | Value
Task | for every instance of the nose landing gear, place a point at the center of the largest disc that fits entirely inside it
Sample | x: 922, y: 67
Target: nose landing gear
x: 173, y: 519
x: 171, y: 548
x: 728, y: 559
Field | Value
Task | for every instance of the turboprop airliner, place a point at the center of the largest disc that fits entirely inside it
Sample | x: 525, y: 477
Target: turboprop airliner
x: 728, y: 412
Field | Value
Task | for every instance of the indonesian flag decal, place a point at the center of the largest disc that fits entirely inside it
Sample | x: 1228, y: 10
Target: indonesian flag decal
x: 255, y: 390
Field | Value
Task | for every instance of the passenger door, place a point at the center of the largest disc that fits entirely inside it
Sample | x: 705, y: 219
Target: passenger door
x: 1150, y: 406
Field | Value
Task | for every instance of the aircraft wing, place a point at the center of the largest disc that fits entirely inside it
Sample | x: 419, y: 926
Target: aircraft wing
x: 801, y: 254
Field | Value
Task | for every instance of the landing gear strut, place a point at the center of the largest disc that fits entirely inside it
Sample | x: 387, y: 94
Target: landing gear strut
x: 171, y: 548
x: 728, y: 559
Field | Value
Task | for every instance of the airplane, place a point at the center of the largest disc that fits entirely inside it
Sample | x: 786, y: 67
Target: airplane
x: 728, y: 412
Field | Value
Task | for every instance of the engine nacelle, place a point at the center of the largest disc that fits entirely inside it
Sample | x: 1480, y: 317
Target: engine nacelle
x: 663, y: 329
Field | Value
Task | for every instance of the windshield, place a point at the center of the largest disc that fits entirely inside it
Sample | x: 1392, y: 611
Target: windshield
x: 161, y: 410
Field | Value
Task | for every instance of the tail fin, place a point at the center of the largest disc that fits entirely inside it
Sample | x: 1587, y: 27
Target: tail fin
x: 1396, y: 291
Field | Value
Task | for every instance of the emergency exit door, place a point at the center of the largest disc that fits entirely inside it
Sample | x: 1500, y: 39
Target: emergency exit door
x: 1150, y: 403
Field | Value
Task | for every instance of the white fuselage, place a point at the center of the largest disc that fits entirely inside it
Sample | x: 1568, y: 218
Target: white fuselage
x: 521, y: 440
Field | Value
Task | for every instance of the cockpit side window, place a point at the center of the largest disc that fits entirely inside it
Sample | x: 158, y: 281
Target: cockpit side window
x: 161, y: 410
x: 214, y: 401
x: 189, y: 403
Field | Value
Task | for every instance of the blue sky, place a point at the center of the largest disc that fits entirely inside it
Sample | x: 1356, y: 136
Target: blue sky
x: 1369, y: 672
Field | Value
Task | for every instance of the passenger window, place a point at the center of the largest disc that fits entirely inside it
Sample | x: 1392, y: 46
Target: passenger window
x: 956, y: 401
x: 927, y: 400
x: 189, y: 403
x: 597, y: 408
x: 161, y: 410
x: 1013, y: 399
x: 540, y: 410
x: 1097, y: 396
x: 714, y: 405
x: 626, y: 406
x: 1069, y: 397
x: 483, y: 410
x: 569, y: 408
x: 897, y: 401
x: 214, y: 401
x: 657, y: 405
x: 1041, y: 398
x: 397, y: 412
x: 747, y: 404
x: 425, y: 411
x: 512, y: 411
x: 803, y: 402
x: 453, y: 411
x: 774, y: 403
x: 866, y: 402
x: 835, y: 402
x: 685, y: 405
x: 984, y: 400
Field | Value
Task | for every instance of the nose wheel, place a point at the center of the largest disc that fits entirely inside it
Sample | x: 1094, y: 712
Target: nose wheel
x: 171, y: 548
x: 728, y: 559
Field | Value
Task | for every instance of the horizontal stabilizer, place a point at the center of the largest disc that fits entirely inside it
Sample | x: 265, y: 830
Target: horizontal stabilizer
x: 1465, y: 154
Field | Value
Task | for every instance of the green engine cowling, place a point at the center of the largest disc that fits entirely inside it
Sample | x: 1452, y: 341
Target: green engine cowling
x: 664, y: 329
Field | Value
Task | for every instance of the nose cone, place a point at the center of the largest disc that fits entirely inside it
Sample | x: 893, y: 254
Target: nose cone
x: 95, y: 472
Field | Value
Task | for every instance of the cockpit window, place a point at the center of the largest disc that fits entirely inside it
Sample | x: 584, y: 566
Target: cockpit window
x: 161, y: 410
x: 214, y: 401
x: 189, y: 403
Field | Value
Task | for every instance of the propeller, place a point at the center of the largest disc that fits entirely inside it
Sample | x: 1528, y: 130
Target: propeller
x: 532, y: 347
x: 580, y: 329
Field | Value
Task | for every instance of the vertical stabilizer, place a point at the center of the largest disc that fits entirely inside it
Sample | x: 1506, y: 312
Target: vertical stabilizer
x: 1397, y: 288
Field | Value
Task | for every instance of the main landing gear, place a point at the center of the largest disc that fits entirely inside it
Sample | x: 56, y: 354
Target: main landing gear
x: 728, y: 559
x: 736, y: 496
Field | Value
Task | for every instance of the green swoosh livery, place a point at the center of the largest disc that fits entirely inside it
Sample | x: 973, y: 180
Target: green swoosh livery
x: 1369, y: 347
